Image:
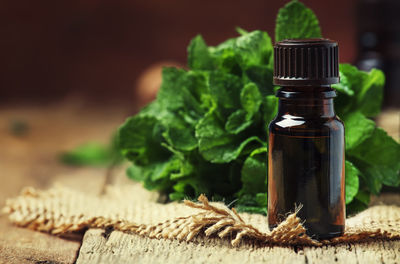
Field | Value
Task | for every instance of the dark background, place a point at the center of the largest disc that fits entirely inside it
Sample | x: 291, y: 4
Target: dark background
x: 97, y: 49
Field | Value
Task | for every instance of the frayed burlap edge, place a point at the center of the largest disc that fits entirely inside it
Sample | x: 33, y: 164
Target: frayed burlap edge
x: 50, y: 211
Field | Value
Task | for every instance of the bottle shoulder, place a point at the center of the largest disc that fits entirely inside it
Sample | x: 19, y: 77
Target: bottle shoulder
x: 288, y: 124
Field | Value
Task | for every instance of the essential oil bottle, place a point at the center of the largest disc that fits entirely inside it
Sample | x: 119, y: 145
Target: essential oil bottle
x: 306, y: 139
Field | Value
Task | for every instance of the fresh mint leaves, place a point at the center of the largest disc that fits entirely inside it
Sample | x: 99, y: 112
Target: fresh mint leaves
x: 295, y: 21
x: 207, y: 130
x: 363, y: 89
x: 352, y: 182
x: 94, y: 154
x: 358, y: 129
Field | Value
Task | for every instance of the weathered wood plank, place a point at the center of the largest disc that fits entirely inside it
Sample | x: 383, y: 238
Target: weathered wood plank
x: 123, y: 248
x: 20, y: 245
x: 378, y: 252
x: 116, y: 247
x: 331, y: 254
x: 32, y: 160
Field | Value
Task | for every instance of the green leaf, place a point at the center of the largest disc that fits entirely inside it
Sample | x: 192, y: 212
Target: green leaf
x: 164, y: 169
x: 371, y: 95
x: 371, y: 176
x: 137, y: 173
x: 228, y: 44
x: 171, y: 95
x: 254, y: 172
x: 224, y: 152
x: 352, y: 183
x: 153, y: 109
x: 216, y: 145
x: 237, y: 122
x: 295, y: 21
x: 225, y: 89
x: 153, y: 176
x: 212, y: 138
x: 262, y: 76
x: 255, y: 204
x: 250, y: 99
x: 193, y: 186
x: 354, y: 207
x: 183, y: 91
x: 225, y: 57
x: 262, y: 199
x: 236, y: 56
x: 344, y: 85
x: 251, y: 209
x: 359, y: 203
x: 381, y: 150
x: 269, y: 109
x: 359, y: 91
x: 358, y: 129
x: 185, y: 169
x: 92, y: 154
x: 199, y: 58
x: 180, y: 135
x: 364, y: 197
x: 254, y: 48
x: 241, y: 31
x: 378, y: 158
x: 139, y: 140
x: 353, y: 79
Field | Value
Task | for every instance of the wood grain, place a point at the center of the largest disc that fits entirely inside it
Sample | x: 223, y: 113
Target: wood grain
x: 20, y: 245
x: 32, y: 160
x: 117, y: 247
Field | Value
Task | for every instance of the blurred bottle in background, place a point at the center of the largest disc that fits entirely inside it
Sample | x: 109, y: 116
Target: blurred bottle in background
x: 379, y: 43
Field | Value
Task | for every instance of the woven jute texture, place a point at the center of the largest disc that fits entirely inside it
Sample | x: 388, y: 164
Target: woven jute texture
x: 61, y: 211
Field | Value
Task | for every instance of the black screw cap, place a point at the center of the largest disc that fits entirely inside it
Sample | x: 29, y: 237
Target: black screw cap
x: 306, y: 62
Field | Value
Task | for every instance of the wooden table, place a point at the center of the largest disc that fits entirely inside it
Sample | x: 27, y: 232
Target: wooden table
x: 32, y: 160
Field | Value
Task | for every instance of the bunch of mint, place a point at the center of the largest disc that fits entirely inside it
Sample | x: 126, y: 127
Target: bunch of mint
x: 206, y: 133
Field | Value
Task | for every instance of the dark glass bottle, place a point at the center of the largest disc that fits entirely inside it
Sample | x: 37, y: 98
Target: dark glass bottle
x: 306, y: 139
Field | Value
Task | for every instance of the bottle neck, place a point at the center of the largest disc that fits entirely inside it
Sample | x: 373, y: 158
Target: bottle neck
x: 308, y: 102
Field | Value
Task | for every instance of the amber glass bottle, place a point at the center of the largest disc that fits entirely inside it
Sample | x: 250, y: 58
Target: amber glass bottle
x: 306, y: 139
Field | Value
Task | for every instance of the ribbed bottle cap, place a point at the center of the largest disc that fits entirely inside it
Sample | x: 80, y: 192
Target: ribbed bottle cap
x: 303, y: 62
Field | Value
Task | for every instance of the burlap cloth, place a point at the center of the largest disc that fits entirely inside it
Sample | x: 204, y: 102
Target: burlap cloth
x: 130, y: 208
